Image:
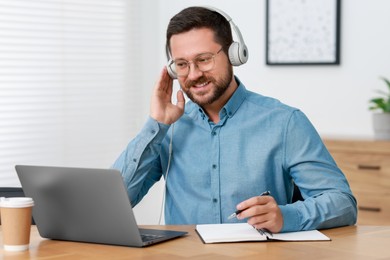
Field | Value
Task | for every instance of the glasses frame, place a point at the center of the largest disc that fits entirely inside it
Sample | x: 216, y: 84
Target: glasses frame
x: 193, y: 61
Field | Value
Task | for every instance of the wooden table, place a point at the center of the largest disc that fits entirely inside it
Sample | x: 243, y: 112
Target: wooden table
x: 354, y: 242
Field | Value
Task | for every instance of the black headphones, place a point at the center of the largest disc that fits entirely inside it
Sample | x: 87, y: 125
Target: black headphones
x: 238, y: 52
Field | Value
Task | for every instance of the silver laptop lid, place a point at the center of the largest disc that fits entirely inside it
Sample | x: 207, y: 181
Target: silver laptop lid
x: 77, y: 204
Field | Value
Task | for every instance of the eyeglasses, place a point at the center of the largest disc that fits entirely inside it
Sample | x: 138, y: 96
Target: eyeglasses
x: 204, y: 62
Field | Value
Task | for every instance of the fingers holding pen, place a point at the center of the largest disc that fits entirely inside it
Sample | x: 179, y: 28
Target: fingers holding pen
x: 253, y: 206
x: 262, y: 212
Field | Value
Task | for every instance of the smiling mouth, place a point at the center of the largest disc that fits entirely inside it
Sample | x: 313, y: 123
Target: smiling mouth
x: 201, y: 85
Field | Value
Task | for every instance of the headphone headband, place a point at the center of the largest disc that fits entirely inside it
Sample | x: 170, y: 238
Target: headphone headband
x: 230, y: 20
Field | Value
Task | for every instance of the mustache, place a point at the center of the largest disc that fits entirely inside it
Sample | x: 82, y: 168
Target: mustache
x: 188, y: 84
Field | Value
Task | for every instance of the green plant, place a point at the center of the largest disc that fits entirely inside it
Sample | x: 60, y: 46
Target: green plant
x: 382, y: 103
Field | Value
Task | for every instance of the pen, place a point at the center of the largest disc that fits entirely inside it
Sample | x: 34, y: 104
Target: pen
x: 264, y: 231
x: 265, y: 193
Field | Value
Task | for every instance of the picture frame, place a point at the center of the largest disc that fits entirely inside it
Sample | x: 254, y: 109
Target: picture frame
x: 303, y: 32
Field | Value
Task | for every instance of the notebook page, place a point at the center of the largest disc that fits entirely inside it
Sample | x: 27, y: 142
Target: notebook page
x: 218, y: 233
x: 236, y: 232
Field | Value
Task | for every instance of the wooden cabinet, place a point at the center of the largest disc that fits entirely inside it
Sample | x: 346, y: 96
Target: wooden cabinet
x: 366, y: 165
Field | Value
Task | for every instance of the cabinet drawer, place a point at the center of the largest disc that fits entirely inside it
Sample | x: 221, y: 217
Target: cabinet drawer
x: 358, y: 161
x: 365, y: 172
x: 373, y: 209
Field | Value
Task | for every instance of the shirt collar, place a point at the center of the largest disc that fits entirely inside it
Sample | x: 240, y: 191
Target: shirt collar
x: 235, y: 101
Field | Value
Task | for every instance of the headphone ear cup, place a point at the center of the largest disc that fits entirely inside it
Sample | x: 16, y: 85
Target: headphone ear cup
x: 243, y: 53
x: 238, y: 54
x: 171, y: 69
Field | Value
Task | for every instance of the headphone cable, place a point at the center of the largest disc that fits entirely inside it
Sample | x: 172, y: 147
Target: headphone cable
x: 166, y: 175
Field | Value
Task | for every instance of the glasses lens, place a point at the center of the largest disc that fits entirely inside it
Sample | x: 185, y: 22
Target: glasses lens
x: 205, y: 62
x: 181, y: 67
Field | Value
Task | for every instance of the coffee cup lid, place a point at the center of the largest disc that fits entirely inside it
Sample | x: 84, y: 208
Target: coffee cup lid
x: 21, y: 202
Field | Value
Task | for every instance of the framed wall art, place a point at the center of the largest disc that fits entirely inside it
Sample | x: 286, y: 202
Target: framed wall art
x: 303, y: 32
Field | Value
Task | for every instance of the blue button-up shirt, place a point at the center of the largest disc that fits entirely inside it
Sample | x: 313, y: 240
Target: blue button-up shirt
x: 258, y: 145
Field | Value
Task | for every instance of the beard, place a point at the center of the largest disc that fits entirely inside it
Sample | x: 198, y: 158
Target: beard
x: 207, y: 98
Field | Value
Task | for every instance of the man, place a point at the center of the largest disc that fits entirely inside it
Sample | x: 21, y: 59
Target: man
x: 229, y: 144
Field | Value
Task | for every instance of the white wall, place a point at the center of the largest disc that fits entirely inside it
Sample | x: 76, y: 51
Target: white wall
x: 335, y: 98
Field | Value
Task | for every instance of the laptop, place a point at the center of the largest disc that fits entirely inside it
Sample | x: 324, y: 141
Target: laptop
x: 85, y: 205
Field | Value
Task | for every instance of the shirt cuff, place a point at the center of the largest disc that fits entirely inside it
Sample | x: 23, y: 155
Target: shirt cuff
x: 291, y: 218
x: 156, y: 129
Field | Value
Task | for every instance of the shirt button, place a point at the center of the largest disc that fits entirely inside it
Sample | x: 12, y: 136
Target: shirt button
x: 214, y: 166
x: 153, y: 132
x: 215, y: 200
x: 134, y: 160
x: 213, y: 133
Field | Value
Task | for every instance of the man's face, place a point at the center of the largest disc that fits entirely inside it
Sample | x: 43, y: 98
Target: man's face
x: 202, y: 87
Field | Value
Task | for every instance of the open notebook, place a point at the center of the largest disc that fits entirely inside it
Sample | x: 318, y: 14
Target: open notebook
x: 240, y: 232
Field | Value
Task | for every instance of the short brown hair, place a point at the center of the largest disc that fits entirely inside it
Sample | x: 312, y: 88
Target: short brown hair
x: 200, y: 17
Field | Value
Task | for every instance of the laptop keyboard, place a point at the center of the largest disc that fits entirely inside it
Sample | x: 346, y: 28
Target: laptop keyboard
x: 150, y: 237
